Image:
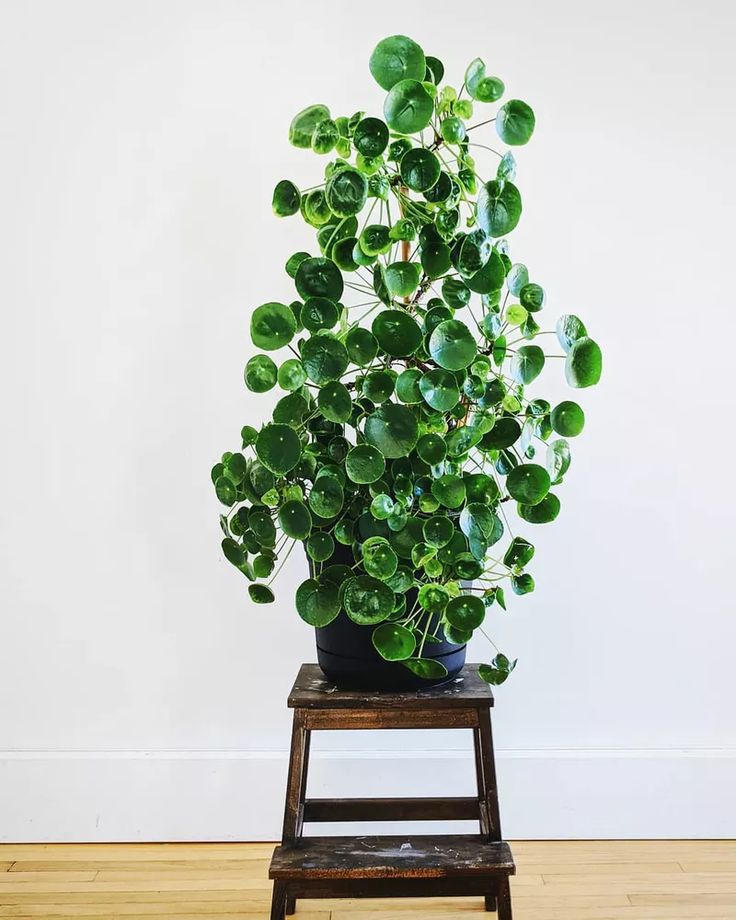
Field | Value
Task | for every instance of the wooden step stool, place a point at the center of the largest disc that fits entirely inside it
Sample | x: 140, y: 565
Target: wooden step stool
x: 391, y: 866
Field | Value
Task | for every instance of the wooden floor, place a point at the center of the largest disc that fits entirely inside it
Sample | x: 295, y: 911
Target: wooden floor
x: 571, y: 880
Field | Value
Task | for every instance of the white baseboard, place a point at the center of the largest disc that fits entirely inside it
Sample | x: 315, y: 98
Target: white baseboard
x: 238, y: 795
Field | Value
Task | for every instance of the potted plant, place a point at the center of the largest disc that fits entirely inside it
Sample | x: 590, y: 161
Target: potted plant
x: 408, y: 452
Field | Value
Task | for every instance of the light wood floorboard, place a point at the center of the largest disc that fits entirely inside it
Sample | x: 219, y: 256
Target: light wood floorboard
x: 556, y: 880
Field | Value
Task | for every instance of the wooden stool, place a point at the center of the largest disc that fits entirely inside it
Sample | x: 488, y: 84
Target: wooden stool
x: 391, y: 866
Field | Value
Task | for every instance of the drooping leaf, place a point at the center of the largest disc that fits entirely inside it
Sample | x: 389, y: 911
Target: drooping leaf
x: 393, y: 642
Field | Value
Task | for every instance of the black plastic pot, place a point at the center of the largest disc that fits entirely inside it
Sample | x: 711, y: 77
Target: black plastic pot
x: 347, y: 656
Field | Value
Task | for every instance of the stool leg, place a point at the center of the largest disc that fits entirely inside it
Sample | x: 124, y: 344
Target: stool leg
x: 488, y: 789
x: 297, y: 779
x: 504, y: 899
x: 490, y: 902
x: 278, y: 900
x: 290, y: 904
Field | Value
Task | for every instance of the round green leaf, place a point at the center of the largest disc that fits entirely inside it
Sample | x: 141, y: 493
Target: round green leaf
x: 527, y: 363
x: 397, y: 333
x: 528, y: 483
x: 370, y: 137
x: 334, y: 402
x: 432, y: 449
x: 402, y: 278
x: 304, y: 122
x: 393, y: 429
x: 584, y: 363
x: 449, y: 490
x: 407, y: 385
x: 325, y: 136
x: 452, y: 345
x: 320, y: 546
x: 532, y: 297
x: 481, y: 526
x: 272, y: 326
x: 364, y: 464
x: 326, y: 497
x: 319, y: 277
x: 498, y: 208
x: 397, y: 58
x: 569, y: 329
x: 379, y: 559
x: 490, y: 277
x: 546, y: 511
x: 568, y: 419
x: 438, y: 530
x: 378, y: 386
x: 453, y: 130
x: 465, y: 612
x: 318, y: 313
x: 439, y: 389
x: 324, y: 357
x: 408, y: 107
x: 515, y: 122
x: 346, y: 191
x: 558, y: 459
x: 316, y: 603
x: 375, y: 239
x: 420, y: 169
x: 278, y: 448
x: 504, y: 433
x: 361, y: 345
x: 260, y: 374
x: 225, y: 490
x: 481, y: 87
x: 286, y: 199
x: 291, y: 375
x: 367, y: 600
x: 394, y: 642
x: 290, y: 410
x: 260, y: 594
x: 295, y: 520
x: 426, y: 668
x: 435, y: 258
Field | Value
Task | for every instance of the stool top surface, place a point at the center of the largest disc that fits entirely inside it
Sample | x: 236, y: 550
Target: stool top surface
x: 312, y: 690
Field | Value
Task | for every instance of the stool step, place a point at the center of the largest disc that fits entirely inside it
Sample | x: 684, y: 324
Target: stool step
x: 418, y: 856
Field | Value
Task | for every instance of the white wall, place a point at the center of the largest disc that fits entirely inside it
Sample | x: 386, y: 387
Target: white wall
x: 141, y: 694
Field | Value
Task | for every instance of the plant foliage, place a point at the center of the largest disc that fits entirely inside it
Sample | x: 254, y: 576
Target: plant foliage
x: 406, y: 430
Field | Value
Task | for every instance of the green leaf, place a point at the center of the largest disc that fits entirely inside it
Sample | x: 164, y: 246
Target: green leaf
x: 286, y: 199
x: 295, y: 520
x: 260, y: 374
x: 393, y: 642
x: 378, y: 386
x: 453, y: 130
x: 569, y: 329
x: 326, y: 497
x: 318, y: 313
x: 320, y: 546
x: 408, y: 107
x: 528, y: 483
x: 346, y: 191
x: 435, y: 258
x: 465, y: 612
x: 334, y: 402
x: 272, y: 326
x: 248, y: 435
x: 481, y: 87
x: 261, y: 594
x: 407, y: 386
x: 278, y: 448
x: 397, y: 58
x: 402, y: 278
x: 325, y: 136
x: 439, y: 389
x: 375, y: 239
x: 303, y: 124
x: 456, y: 293
x: 568, y: 419
x: 319, y: 277
x: 490, y: 277
x: 432, y: 449
x: 504, y: 433
x: 452, y: 345
x: 427, y: 668
x: 497, y: 672
x: 527, y: 363
x: 379, y: 559
x: 584, y: 363
x: 498, y: 208
x: 481, y: 526
x: 420, y: 169
x: 515, y: 122
x: 397, y: 333
x: 542, y: 513
x: 522, y: 584
x: 361, y: 345
x: 364, y: 464
x: 532, y: 297
x: 371, y: 137
x: 393, y: 429
x: 438, y: 530
x: 291, y: 375
x: 324, y: 357
x: 558, y: 460
x: 520, y: 552
x: 290, y: 410
x: 449, y: 490
x: 367, y: 600
x: 316, y: 603
x: 233, y: 551
x: 457, y: 636
x: 517, y: 277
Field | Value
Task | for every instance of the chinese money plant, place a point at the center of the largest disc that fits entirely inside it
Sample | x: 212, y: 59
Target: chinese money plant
x: 408, y: 427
